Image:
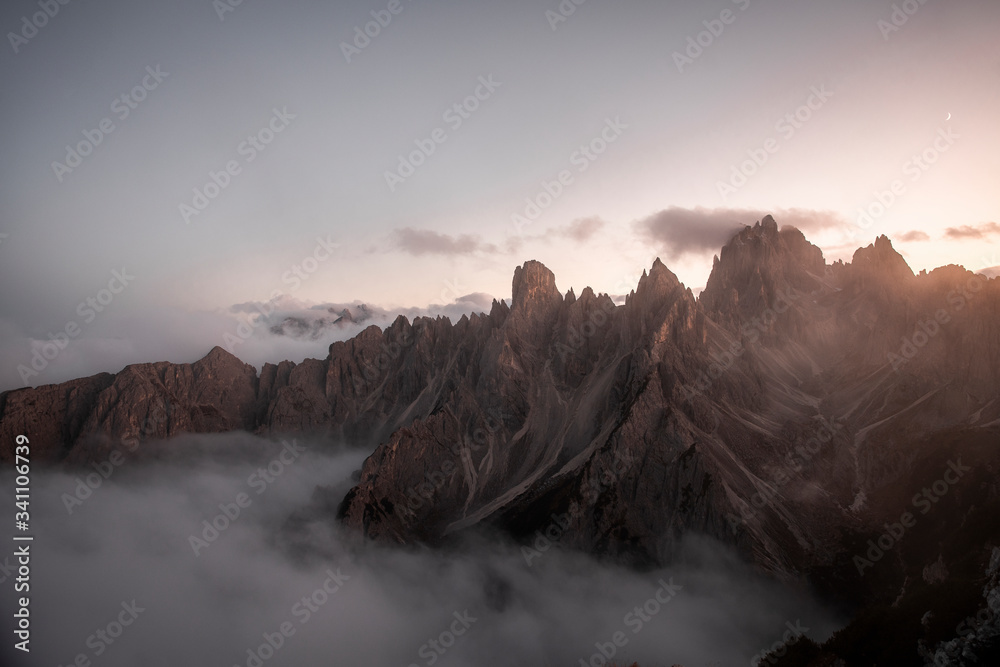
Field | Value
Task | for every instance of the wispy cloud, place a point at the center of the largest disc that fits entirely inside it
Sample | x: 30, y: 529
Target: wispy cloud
x: 680, y: 231
x: 915, y: 235
x: 419, y: 242
x: 579, y: 230
x: 582, y: 229
x: 808, y: 220
x: 972, y: 232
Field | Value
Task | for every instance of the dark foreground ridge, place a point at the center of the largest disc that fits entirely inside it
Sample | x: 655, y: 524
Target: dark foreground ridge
x: 834, y: 422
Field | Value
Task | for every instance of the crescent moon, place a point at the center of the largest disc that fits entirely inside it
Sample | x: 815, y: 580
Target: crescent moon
x: 949, y: 116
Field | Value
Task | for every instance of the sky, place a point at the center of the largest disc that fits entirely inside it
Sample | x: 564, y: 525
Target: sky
x: 181, y: 164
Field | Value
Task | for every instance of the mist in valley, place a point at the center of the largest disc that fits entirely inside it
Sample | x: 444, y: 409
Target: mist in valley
x: 136, y: 573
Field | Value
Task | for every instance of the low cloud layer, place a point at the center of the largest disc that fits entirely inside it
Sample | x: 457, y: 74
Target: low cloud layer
x: 693, y: 231
x: 131, y: 540
x: 256, y: 332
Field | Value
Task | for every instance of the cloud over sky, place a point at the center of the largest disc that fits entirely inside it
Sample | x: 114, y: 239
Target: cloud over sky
x: 418, y: 242
x: 973, y: 231
x: 913, y: 236
x: 681, y: 231
x: 582, y: 229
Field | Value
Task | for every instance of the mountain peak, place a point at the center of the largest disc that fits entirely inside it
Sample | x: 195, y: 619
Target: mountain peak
x: 757, y: 265
x: 533, y: 282
x: 659, y: 279
x: 767, y: 225
x: 219, y: 354
x: 658, y: 289
x: 219, y: 362
x: 880, y: 259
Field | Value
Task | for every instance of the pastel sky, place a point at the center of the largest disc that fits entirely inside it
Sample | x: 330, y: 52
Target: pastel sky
x: 639, y: 129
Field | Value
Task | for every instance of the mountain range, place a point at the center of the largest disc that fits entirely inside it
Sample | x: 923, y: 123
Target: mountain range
x: 835, y: 424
